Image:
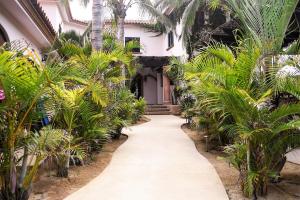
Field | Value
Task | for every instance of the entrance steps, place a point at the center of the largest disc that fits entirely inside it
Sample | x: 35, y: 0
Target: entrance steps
x: 158, y: 110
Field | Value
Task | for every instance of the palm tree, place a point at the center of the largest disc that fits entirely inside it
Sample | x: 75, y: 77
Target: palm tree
x: 97, y: 40
x: 230, y: 89
x: 119, y: 9
x: 25, y: 82
x: 70, y: 104
x: 97, y: 22
x: 265, y: 21
x: 186, y: 12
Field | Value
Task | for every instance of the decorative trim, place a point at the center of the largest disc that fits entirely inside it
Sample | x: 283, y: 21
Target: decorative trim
x: 137, y: 22
x: 37, y: 14
x: 71, y: 18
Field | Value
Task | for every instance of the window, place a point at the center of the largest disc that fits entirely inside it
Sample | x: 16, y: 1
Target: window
x: 136, y: 41
x: 170, y: 39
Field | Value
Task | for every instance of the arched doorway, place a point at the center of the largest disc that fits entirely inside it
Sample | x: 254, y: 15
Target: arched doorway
x: 150, y: 88
x: 137, y: 86
x: 3, y: 36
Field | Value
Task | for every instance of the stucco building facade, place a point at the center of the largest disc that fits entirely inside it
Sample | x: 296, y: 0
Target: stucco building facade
x: 35, y: 24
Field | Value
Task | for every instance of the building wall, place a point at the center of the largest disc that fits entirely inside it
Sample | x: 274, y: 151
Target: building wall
x: 70, y: 26
x: 16, y: 31
x: 155, y: 46
x: 178, y: 50
x: 151, y: 46
x: 53, y: 14
x: 294, y: 156
x: 57, y: 15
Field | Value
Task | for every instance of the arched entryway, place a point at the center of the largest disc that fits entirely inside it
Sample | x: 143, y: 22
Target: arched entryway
x: 3, y: 36
x: 150, y: 87
x: 145, y: 85
x: 137, y: 86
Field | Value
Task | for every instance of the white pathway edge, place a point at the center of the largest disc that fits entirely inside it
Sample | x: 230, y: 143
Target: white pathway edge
x: 158, y: 162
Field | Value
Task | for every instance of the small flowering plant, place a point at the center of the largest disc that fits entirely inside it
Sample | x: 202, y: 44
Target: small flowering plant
x: 2, y: 95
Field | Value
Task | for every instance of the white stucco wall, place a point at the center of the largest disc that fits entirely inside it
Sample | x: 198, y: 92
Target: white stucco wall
x: 56, y: 13
x: 294, y: 156
x: 178, y: 50
x: 18, y: 31
x: 53, y: 14
x: 151, y: 46
x: 78, y: 29
x: 155, y: 46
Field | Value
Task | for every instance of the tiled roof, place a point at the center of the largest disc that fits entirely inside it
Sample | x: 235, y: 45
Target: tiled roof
x: 37, y: 14
x: 71, y: 18
x: 138, y: 22
x: 67, y: 9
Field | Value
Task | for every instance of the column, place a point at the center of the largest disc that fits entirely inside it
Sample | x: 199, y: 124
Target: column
x: 166, y: 89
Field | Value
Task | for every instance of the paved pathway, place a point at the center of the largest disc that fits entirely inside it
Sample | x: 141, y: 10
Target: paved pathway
x: 158, y: 162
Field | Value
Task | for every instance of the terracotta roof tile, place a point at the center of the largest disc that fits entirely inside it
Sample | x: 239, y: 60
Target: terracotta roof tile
x: 138, y: 22
x: 35, y: 11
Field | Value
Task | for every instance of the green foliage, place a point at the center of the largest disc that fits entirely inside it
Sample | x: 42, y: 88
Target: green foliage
x: 184, y: 12
x: 232, y: 94
x: 265, y: 21
x: 81, y: 93
x: 175, y: 70
x: 139, y: 107
x: 71, y: 36
x: 25, y: 81
x: 237, y: 88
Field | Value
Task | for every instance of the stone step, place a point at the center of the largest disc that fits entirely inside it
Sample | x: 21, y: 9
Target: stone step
x: 157, y: 109
x: 157, y: 106
x: 158, y: 113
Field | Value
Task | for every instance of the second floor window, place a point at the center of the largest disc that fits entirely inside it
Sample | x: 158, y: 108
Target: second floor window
x: 170, y: 39
x: 135, y: 41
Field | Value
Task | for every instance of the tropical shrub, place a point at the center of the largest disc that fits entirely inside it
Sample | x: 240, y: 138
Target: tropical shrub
x: 230, y: 89
x: 77, y: 91
x: 122, y: 109
x: 25, y: 81
x: 139, y: 109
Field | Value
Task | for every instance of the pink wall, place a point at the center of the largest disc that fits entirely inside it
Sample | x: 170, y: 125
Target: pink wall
x: 159, y: 89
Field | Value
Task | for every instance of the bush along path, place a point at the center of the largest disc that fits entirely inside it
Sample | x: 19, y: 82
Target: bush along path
x: 158, y: 161
x: 64, y: 109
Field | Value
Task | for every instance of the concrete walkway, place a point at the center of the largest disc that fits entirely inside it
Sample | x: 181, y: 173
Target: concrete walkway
x: 158, y: 162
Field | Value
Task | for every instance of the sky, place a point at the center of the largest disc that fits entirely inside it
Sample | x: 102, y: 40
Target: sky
x: 85, y: 13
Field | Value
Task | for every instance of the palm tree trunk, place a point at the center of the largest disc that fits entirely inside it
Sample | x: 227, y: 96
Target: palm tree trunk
x: 97, y: 40
x: 206, y: 14
x: 120, y: 37
x: 24, y: 167
x: 121, y: 31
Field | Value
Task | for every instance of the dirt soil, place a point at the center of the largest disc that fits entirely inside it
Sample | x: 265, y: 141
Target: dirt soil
x: 50, y: 187
x: 287, y: 189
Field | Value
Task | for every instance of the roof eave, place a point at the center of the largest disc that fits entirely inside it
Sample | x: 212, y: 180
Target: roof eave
x: 35, y: 11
